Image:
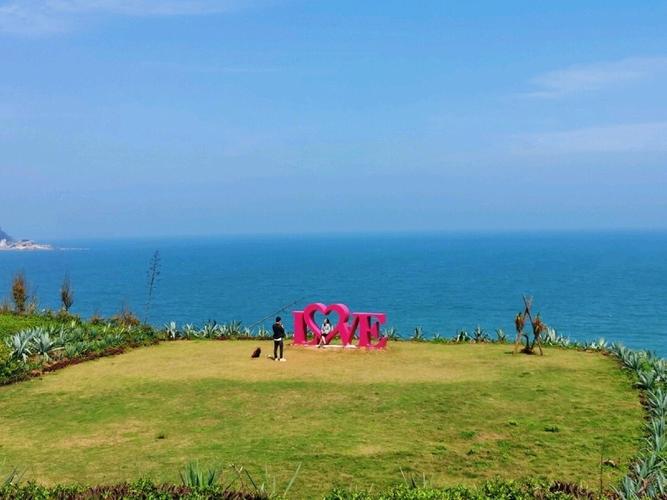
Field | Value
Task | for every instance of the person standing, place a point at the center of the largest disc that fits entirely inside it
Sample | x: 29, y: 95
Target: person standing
x: 278, y: 339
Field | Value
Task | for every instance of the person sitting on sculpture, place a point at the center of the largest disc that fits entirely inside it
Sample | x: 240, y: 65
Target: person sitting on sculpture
x: 325, y: 330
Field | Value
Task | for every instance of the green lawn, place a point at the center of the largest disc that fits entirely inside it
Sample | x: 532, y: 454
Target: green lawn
x: 457, y: 413
x: 13, y: 323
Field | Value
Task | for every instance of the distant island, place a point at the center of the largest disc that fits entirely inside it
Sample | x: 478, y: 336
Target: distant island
x: 9, y: 243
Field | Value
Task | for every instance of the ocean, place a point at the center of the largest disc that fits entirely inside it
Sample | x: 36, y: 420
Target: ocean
x: 585, y: 285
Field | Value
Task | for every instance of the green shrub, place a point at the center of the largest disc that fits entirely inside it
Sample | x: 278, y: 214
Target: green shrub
x: 499, y: 489
x: 10, y: 368
x: 142, y: 489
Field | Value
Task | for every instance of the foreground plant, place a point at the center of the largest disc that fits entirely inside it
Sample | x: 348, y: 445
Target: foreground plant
x: 21, y: 345
x: 197, y: 477
x: 646, y: 478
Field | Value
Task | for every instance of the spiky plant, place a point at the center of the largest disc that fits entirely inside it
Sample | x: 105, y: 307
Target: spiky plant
x: 72, y: 350
x: 657, y: 402
x: 391, y: 334
x: 479, y: 335
x: 210, y: 330
x: 501, y: 336
x: 263, y: 333
x: 21, y: 344
x: 461, y: 336
x: 418, y: 335
x: 189, y: 331
x: 43, y: 344
x: 194, y: 476
x: 12, y: 479
x: 171, y: 330
x: 647, y: 380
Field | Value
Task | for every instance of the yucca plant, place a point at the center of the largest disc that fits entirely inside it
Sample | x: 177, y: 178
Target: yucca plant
x: 195, y: 476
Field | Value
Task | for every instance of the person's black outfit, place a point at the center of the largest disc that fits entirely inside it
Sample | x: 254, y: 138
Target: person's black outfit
x: 278, y: 336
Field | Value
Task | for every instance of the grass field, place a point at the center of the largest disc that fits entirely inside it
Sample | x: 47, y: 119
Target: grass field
x: 457, y: 413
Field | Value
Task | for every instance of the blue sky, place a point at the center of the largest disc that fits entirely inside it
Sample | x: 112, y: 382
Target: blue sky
x: 166, y: 117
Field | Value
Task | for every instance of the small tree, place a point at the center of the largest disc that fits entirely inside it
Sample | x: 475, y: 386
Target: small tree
x: 19, y: 292
x: 66, y: 294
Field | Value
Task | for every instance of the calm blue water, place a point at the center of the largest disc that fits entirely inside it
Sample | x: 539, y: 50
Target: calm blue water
x: 611, y: 285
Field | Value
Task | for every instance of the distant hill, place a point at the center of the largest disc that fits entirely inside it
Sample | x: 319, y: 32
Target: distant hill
x: 5, y: 236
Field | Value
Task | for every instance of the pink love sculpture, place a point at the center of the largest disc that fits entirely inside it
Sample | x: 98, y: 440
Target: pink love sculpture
x: 369, y: 329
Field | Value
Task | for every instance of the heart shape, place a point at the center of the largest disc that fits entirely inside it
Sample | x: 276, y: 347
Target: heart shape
x: 341, y: 327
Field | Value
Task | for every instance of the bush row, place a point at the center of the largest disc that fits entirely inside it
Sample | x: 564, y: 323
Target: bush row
x: 494, y: 489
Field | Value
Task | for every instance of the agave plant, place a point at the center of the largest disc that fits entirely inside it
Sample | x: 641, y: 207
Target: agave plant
x: 461, y: 336
x: 209, y: 331
x: 563, y: 342
x: 479, y: 335
x: 391, y: 334
x: 21, y: 344
x: 656, y: 427
x: 418, y: 335
x: 189, y: 331
x: 233, y: 329
x: 195, y: 476
x: 657, y: 442
x: 76, y: 334
x: 44, y: 344
x: 657, y: 401
x: 634, y: 361
x: 647, y: 380
x: 172, y: 330
x: 501, y: 336
x: 263, y: 333
x: 72, y: 350
x: 629, y: 489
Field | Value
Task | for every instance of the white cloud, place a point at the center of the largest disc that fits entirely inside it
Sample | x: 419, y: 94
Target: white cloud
x: 635, y: 137
x: 597, y: 76
x: 45, y: 17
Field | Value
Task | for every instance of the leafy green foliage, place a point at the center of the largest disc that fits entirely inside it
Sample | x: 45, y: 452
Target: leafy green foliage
x: 493, y: 489
x: 196, y: 476
x: 143, y: 489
